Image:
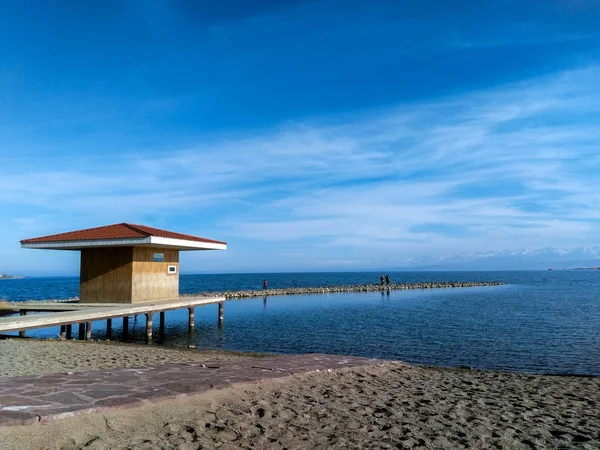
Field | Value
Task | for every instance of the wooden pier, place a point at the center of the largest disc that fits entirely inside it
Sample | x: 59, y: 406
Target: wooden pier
x: 67, y: 314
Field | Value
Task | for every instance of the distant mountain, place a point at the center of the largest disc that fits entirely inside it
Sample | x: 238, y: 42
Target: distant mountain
x: 8, y: 277
x: 522, y: 259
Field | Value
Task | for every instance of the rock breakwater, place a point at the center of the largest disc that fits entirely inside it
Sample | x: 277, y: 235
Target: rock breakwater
x: 344, y: 288
x: 11, y: 307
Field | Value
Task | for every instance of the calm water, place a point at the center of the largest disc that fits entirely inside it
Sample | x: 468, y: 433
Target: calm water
x: 538, y: 322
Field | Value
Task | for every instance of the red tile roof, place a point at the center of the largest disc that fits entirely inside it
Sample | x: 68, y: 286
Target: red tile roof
x: 116, y: 231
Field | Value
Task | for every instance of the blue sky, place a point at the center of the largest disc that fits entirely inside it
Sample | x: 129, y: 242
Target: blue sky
x: 309, y: 135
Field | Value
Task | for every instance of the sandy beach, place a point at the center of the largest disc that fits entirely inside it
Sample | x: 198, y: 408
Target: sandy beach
x: 21, y: 357
x: 384, y: 406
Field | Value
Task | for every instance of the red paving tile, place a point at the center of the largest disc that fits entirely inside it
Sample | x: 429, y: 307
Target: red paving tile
x: 26, y: 400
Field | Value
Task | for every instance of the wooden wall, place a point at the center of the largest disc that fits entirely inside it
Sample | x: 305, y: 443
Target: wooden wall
x: 150, y: 279
x: 127, y: 275
x: 106, y: 274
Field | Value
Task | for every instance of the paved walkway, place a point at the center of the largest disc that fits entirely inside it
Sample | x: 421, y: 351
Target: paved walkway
x: 43, y: 398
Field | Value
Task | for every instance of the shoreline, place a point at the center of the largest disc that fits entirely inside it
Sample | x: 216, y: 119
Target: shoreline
x: 103, y: 354
x: 391, y: 405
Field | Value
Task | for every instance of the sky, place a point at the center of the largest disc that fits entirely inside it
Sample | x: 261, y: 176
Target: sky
x: 309, y: 135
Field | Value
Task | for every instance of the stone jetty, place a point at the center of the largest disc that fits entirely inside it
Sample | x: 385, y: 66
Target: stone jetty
x: 344, y: 288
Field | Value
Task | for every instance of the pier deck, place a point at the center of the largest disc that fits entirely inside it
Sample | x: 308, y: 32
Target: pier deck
x: 77, y: 314
x: 51, y: 306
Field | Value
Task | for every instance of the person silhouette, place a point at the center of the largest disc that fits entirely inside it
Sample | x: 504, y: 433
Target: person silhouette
x: 387, y: 280
x: 264, y: 284
x: 381, y: 279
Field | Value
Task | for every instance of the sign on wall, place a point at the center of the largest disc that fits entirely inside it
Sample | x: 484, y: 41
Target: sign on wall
x: 172, y: 269
x: 159, y: 257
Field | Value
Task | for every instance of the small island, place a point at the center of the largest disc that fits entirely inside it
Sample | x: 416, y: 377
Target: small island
x: 4, y: 276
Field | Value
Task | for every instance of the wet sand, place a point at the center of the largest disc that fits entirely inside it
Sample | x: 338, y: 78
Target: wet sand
x: 387, y: 406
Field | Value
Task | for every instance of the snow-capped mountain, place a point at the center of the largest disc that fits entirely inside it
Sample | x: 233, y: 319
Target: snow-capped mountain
x: 540, y: 258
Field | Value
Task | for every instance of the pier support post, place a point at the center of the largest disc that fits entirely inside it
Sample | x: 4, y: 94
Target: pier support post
x: 69, y: 331
x: 162, y: 321
x: 88, y: 331
x: 22, y: 332
x: 125, y: 325
x: 148, y: 327
x: 81, y: 331
x: 108, y: 326
x: 191, y: 320
x: 220, y: 312
x: 63, y: 332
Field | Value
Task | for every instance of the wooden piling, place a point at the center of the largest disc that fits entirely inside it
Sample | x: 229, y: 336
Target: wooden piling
x: 88, y: 331
x: 125, y: 325
x: 108, y: 326
x: 22, y: 332
x: 69, y: 331
x: 162, y: 321
x: 221, y: 312
x: 65, y: 314
x: 81, y: 331
x: 148, y: 327
x: 191, y: 319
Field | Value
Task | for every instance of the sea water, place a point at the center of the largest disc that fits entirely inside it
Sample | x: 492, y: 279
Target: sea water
x: 538, y: 321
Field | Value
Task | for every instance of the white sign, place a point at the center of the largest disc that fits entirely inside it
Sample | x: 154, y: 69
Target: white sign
x: 172, y: 269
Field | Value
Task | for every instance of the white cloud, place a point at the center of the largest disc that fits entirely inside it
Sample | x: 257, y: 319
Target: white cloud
x: 513, y: 167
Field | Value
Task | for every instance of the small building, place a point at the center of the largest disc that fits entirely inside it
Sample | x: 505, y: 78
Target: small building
x: 126, y: 263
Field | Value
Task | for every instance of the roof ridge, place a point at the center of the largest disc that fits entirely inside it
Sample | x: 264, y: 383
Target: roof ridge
x: 136, y: 229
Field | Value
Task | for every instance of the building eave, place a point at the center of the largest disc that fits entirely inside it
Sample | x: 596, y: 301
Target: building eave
x: 183, y: 244
x: 149, y: 241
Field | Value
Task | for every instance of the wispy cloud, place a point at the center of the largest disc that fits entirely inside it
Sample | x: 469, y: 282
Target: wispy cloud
x: 514, y: 167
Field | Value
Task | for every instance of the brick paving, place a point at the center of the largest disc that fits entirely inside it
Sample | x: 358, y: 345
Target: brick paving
x: 43, y: 398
